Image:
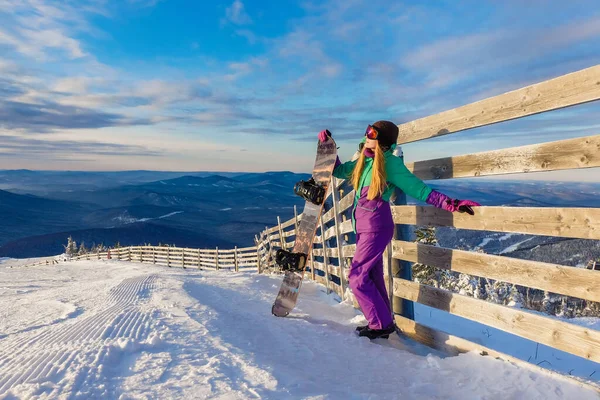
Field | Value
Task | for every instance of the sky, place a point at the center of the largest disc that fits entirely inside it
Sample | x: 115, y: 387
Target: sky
x: 246, y: 85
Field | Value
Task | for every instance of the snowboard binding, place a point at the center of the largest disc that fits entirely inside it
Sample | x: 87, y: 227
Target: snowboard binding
x: 288, y: 261
x: 310, y: 191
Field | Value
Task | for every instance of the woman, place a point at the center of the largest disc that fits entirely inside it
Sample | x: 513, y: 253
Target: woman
x: 375, y: 175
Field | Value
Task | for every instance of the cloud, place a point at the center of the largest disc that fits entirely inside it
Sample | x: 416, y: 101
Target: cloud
x: 64, y: 149
x: 449, y: 61
x: 48, y: 116
x: 236, y: 14
x: 44, y: 31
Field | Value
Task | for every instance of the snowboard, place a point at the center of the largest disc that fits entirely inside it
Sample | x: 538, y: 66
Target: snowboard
x: 298, y: 257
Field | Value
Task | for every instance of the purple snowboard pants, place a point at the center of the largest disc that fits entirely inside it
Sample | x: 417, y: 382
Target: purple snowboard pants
x: 366, y: 277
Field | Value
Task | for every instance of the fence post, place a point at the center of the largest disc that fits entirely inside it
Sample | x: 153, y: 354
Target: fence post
x: 217, y: 259
x: 153, y: 255
x: 257, y: 254
x: 142, y: 250
x: 199, y: 260
x: 269, y: 249
x: 235, y: 259
x: 401, y: 269
x: 182, y: 258
x: 168, y: 257
x: 129, y: 254
x: 280, y: 233
x: 338, y: 236
x: 295, y: 220
x: 325, y: 255
x: 312, y: 263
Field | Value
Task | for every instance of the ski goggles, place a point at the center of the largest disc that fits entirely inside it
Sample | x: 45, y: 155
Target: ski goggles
x: 371, y: 133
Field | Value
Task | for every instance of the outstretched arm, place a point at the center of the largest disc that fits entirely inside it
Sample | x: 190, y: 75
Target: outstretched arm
x: 414, y: 187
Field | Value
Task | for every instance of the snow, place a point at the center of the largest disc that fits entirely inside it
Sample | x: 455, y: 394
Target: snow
x: 130, y: 220
x: 513, y: 345
x: 118, y: 330
x: 515, y: 246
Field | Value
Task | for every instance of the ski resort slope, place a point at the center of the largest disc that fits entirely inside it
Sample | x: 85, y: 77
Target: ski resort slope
x: 118, y: 330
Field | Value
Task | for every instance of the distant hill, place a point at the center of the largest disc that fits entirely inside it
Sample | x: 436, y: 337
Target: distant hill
x: 228, y: 208
x: 129, y: 235
x: 24, y: 215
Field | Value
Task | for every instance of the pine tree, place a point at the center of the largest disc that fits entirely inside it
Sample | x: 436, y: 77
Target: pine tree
x: 516, y: 297
x: 547, y: 303
x: 71, y: 247
x: 82, y: 249
x: 480, y: 291
x: 422, y: 273
x: 565, y: 311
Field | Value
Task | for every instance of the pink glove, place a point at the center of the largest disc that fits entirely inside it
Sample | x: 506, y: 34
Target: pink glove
x: 323, y: 135
x: 444, y: 202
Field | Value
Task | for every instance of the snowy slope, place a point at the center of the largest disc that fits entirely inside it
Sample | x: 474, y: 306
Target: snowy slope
x: 116, y: 330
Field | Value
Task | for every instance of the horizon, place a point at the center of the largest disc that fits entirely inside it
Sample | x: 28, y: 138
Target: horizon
x: 552, y: 176
x: 244, y: 85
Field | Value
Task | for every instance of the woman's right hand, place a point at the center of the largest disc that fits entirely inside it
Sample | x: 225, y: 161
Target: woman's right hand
x: 324, y: 135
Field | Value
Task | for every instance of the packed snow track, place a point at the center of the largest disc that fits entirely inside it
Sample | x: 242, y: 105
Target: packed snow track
x: 118, y: 330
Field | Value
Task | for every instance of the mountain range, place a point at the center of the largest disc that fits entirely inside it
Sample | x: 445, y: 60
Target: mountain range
x: 40, y: 209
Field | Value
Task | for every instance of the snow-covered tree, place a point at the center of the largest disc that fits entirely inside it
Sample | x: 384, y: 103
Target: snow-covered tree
x: 498, y: 292
x: 82, y: 249
x: 480, y: 292
x: 565, y: 310
x: 516, y: 297
x: 426, y: 274
x: 71, y: 247
x: 548, y: 303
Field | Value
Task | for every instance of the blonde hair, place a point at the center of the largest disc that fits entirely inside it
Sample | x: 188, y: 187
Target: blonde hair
x: 378, y: 177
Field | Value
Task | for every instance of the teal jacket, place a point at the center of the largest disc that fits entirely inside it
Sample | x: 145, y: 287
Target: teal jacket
x: 375, y: 214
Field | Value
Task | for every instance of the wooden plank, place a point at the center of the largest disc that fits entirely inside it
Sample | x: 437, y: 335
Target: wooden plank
x: 330, y: 232
x: 319, y: 266
x: 289, y: 233
x: 328, y: 216
x: 276, y: 236
x: 570, y: 281
x: 346, y: 227
x: 581, y: 223
x: 455, y: 345
x: 564, y: 91
x: 433, y: 338
x: 287, y: 223
x: 570, y: 338
x: 320, y: 279
x: 271, y: 230
x: 331, y: 252
x: 347, y: 201
x: 248, y: 249
x: 338, y: 238
x: 552, y: 156
x: 349, y: 250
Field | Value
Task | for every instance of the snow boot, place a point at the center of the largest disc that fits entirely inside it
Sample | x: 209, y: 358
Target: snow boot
x: 377, y: 333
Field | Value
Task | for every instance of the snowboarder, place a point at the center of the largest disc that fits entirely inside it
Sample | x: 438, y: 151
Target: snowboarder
x: 375, y: 175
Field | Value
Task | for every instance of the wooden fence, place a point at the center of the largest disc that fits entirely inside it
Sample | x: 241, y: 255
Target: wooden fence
x: 334, y: 244
x: 235, y: 259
